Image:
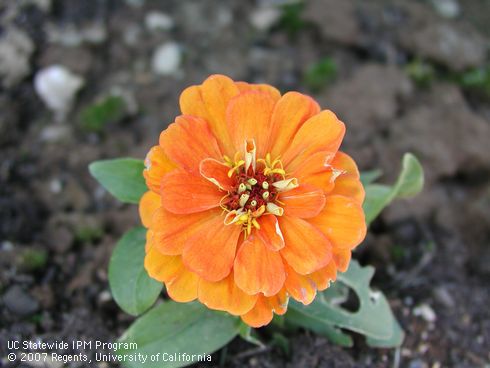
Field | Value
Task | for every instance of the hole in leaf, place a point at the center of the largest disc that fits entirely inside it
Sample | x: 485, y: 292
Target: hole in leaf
x: 352, y: 303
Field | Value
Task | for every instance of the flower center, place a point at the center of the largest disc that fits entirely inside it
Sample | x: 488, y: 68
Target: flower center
x: 258, y: 184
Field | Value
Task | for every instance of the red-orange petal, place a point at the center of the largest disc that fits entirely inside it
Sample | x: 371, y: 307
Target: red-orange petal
x: 217, y: 173
x: 301, y: 287
x: 184, y: 287
x: 324, y: 276
x: 307, y: 249
x: 170, y: 231
x: 160, y: 266
x: 342, y: 258
x: 248, y: 117
x: 210, y: 252
x: 279, y: 302
x: 157, y: 164
x: 188, y: 141
x: 258, y: 269
x: 260, y: 315
x: 184, y: 193
x: 304, y: 201
x: 226, y: 296
x: 290, y: 112
x: 272, y: 91
x: 348, y: 184
x: 210, y: 101
x: 270, y: 232
x: 322, y: 132
x: 149, y: 203
x: 342, y: 221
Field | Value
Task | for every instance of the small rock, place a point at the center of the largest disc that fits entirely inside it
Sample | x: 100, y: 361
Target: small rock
x: 166, y: 59
x: 20, y: 302
x: 57, y: 87
x: 16, y: 49
x: 442, y: 295
x: 156, y: 21
x: 446, y: 8
x: 263, y: 18
x: 54, y: 133
x: 426, y: 312
x: 70, y: 36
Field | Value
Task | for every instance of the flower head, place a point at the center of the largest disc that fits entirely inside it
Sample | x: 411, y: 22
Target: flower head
x: 250, y: 201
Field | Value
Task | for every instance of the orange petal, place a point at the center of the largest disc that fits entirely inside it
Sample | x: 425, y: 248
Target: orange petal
x: 258, y: 269
x: 301, y: 288
x: 183, y: 288
x: 304, y: 201
x: 342, y: 221
x: 306, y: 249
x: 157, y: 164
x: 210, y: 101
x: 248, y: 117
x: 270, y: 232
x: 342, y: 258
x: 279, y: 302
x: 260, y: 315
x: 211, y: 251
x: 322, y: 132
x: 290, y: 112
x: 324, y: 276
x: 149, y: 203
x: 318, y: 171
x: 272, y: 91
x: 188, y: 141
x: 224, y: 295
x: 184, y: 193
x: 348, y: 184
x: 171, y: 231
x: 161, y: 267
x: 217, y: 173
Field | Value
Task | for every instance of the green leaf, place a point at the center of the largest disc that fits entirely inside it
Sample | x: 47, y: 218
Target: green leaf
x: 95, y: 117
x: 133, y: 290
x: 122, y: 177
x: 409, y: 183
x: 325, y: 316
x: 247, y: 333
x: 368, y: 177
x: 177, y: 328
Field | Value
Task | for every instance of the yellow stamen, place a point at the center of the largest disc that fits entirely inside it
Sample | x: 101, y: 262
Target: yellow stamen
x: 252, y: 181
x: 242, y: 188
x: 253, y: 203
x: 243, y: 199
x: 265, y: 185
x: 235, y: 168
x: 265, y: 195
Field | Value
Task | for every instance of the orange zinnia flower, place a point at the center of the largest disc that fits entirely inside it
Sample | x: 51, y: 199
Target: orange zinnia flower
x: 250, y: 200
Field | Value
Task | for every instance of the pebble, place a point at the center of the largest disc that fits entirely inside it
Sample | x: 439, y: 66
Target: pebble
x: 442, y: 295
x: 156, y: 21
x: 264, y: 18
x: 426, y: 312
x: 20, y: 302
x: 447, y: 8
x: 57, y: 87
x: 167, y: 59
x: 16, y: 49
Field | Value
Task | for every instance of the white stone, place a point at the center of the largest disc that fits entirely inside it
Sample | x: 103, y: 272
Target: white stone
x: 264, y: 18
x: 446, y: 8
x: 167, y: 59
x: 155, y: 21
x: 16, y: 49
x: 57, y: 87
x: 426, y: 312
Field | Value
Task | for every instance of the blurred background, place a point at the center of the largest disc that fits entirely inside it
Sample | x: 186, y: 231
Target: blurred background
x: 86, y: 80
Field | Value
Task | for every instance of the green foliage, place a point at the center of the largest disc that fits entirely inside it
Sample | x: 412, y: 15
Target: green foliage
x: 247, y: 333
x: 477, y: 80
x: 122, y: 177
x: 177, y: 328
x: 422, y: 73
x: 88, y: 234
x: 409, y: 183
x: 95, y: 117
x: 32, y: 259
x: 132, y: 289
x: 291, y: 18
x: 320, y: 74
x: 327, y: 317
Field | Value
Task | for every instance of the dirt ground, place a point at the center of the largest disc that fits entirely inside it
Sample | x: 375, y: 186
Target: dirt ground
x: 58, y: 227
